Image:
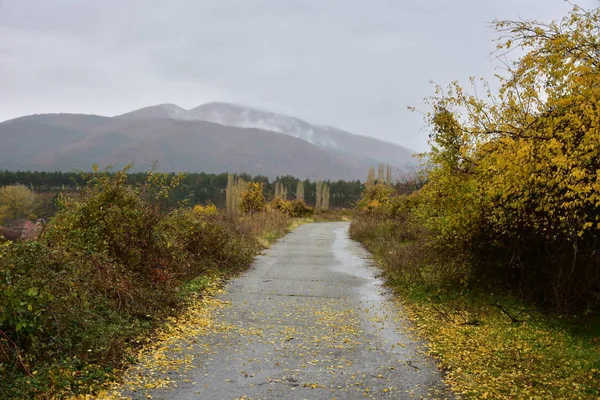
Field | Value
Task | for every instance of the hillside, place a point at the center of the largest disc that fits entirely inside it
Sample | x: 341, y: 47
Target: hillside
x: 366, y: 149
x: 214, y: 137
x: 70, y: 141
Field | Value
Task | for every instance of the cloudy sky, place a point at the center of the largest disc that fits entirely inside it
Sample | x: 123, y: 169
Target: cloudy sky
x: 355, y: 64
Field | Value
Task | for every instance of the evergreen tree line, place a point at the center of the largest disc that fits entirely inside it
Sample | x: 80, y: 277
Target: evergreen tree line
x: 200, y: 188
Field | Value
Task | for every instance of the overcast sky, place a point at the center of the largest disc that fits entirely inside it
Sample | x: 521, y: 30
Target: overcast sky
x: 354, y: 64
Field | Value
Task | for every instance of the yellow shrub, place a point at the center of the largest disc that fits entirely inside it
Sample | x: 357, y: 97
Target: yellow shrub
x: 209, y: 209
x: 281, y: 205
x: 253, y: 199
x: 376, y: 198
x: 294, y: 208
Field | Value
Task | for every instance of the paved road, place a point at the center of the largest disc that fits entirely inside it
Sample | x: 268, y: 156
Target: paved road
x: 310, y: 320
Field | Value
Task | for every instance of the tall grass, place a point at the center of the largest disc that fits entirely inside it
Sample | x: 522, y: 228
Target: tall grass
x: 266, y: 226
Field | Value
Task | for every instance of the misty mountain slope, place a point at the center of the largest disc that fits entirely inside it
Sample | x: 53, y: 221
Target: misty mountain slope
x: 66, y: 142
x: 369, y: 150
x: 214, y: 137
x: 243, y: 117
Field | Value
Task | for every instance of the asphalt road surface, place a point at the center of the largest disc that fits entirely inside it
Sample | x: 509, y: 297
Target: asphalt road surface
x: 309, y: 320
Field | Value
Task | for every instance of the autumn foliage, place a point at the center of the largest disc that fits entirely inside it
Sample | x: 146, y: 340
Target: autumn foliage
x: 111, y: 264
x: 253, y: 199
x: 292, y: 208
x: 496, y: 250
x: 17, y: 202
x: 514, y: 175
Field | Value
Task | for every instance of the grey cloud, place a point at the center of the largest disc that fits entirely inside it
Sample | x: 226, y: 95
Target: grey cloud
x: 349, y: 63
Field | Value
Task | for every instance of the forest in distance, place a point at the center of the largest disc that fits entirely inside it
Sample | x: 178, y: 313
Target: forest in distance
x: 198, y: 188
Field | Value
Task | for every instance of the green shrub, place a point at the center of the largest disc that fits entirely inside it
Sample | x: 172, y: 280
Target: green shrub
x: 106, y: 268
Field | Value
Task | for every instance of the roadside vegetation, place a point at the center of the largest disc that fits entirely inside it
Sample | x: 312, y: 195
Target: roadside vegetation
x: 198, y: 188
x: 109, y: 268
x: 494, y: 249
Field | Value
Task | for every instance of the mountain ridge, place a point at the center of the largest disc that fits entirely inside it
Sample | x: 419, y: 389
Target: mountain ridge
x: 189, y: 146
x: 324, y: 136
x: 213, y: 137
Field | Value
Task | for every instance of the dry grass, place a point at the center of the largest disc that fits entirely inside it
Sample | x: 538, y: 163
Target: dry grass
x: 266, y: 226
x: 333, y: 215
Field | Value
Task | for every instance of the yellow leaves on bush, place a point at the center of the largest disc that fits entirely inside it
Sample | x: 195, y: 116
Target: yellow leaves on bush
x: 512, y: 200
x: 253, y: 199
x: 293, y: 208
x: 376, y: 198
x: 513, y: 175
x: 372, y: 205
x: 383, y: 200
x: 281, y: 205
x: 532, y: 151
x: 17, y: 202
x: 209, y: 209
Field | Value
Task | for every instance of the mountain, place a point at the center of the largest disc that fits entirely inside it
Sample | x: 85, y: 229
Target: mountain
x: 214, y: 137
x: 160, y: 111
x: 368, y: 150
x: 244, y: 117
x: 68, y: 141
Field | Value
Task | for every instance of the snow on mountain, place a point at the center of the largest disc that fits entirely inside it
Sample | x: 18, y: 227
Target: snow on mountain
x: 326, y: 137
x: 244, y: 117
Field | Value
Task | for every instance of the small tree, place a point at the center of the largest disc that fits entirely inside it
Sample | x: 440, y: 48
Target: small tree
x: 325, y: 197
x: 300, y: 191
x: 388, y: 174
x: 371, y: 176
x: 319, y: 198
x: 235, y: 188
x: 229, y: 193
x: 277, y: 190
x: 280, y: 190
x: 17, y: 202
x: 322, y: 196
